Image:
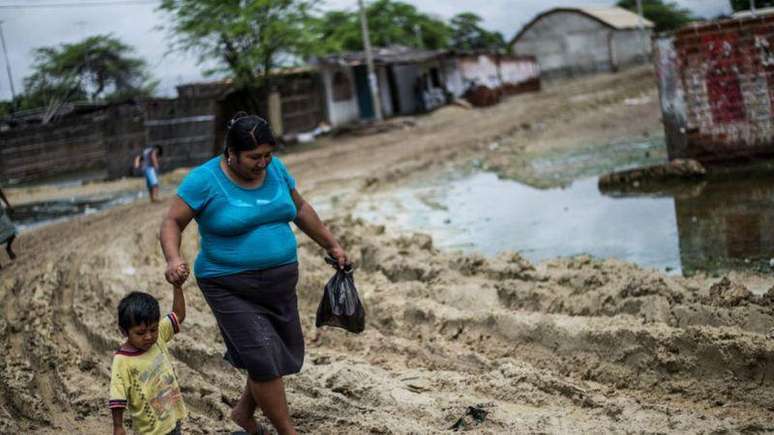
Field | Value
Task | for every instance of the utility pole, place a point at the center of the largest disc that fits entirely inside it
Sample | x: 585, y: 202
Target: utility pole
x: 752, y: 8
x: 8, y: 66
x: 641, y: 25
x: 373, y: 84
x: 418, y: 33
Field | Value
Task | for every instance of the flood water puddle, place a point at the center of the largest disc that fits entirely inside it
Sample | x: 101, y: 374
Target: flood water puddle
x: 719, y: 225
x: 33, y: 215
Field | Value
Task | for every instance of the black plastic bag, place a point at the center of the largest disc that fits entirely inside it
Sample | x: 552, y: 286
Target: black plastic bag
x: 340, y: 305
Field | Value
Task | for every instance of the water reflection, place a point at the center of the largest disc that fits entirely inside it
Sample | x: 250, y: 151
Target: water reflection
x: 481, y: 213
x: 728, y: 224
x: 32, y: 215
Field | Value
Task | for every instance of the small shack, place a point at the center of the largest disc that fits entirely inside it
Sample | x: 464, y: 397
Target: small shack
x: 409, y: 81
x: 571, y: 41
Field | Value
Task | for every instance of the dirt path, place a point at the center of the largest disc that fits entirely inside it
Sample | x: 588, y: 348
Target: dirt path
x: 564, y: 346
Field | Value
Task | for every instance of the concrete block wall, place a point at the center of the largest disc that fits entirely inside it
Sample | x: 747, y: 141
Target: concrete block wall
x: 184, y: 127
x: 50, y: 150
x: 567, y: 43
x: 109, y: 139
x: 630, y: 47
x: 512, y: 74
x: 716, y: 83
x: 122, y: 131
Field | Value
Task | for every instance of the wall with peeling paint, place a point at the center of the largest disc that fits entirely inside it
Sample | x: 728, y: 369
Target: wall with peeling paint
x: 716, y: 83
x: 497, y: 72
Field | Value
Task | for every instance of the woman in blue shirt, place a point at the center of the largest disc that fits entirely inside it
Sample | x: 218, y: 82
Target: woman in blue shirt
x: 247, y: 266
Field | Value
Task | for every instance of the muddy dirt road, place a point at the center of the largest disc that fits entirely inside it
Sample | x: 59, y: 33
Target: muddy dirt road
x: 490, y: 345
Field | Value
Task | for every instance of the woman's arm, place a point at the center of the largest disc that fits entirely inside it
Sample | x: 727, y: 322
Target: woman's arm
x: 177, y: 218
x: 308, y: 221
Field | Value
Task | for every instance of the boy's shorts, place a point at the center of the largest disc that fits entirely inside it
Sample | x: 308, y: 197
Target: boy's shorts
x: 151, y: 180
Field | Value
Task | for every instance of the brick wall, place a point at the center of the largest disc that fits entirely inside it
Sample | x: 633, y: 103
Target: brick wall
x: 124, y: 133
x: 109, y: 139
x: 189, y: 128
x: 717, y: 86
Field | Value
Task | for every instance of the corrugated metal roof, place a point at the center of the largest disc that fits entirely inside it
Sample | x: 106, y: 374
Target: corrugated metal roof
x: 616, y: 17
x: 613, y: 17
x: 383, y: 55
x: 749, y: 14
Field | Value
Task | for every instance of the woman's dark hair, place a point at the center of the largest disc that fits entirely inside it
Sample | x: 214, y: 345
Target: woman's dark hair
x: 245, y: 132
x: 137, y: 308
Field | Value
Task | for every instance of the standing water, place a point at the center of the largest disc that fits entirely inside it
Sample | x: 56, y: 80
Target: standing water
x: 717, y: 225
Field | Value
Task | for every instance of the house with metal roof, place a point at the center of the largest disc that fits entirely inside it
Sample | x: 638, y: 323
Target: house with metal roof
x: 412, y: 80
x: 571, y: 41
x: 409, y: 80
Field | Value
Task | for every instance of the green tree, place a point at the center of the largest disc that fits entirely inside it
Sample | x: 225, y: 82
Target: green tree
x: 248, y: 38
x: 743, y: 5
x: 389, y: 23
x: 665, y: 15
x: 99, y: 67
x: 336, y: 31
x: 467, y: 34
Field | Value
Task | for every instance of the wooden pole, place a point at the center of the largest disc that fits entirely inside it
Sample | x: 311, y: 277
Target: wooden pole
x: 373, y: 84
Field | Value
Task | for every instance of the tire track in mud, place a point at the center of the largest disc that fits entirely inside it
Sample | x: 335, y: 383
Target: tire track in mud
x: 627, y: 352
x: 49, y: 342
x: 56, y: 345
x: 565, y: 346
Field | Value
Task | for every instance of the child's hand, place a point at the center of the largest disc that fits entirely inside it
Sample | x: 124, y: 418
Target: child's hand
x: 183, y: 271
x: 173, y: 275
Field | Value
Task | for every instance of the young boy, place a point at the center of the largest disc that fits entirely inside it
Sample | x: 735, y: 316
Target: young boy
x: 142, y: 380
x: 148, y: 162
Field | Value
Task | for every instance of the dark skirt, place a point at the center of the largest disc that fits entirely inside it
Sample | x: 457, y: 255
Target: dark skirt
x: 257, y: 312
x: 7, y: 228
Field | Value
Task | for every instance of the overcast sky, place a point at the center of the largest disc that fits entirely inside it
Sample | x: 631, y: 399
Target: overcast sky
x: 28, y: 28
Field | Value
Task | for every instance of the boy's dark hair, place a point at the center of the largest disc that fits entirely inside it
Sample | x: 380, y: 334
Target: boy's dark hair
x: 245, y: 132
x: 137, y: 308
x: 159, y: 150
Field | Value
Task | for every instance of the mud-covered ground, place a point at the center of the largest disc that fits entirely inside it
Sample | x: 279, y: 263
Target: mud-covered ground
x: 490, y: 345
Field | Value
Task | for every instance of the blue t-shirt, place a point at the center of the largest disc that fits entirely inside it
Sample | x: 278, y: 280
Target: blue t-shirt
x: 241, y: 229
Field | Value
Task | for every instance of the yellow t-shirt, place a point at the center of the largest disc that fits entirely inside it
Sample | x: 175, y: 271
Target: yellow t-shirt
x: 145, y: 384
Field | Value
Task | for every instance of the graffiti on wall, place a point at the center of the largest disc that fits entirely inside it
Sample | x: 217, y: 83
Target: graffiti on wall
x: 764, y: 69
x: 724, y: 91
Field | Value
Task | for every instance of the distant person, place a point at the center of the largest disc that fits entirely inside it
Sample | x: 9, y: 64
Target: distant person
x: 419, y: 95
x: 148, y: 163
x: 247, y: 267
x: 7, y: 229
x: 142, y: 380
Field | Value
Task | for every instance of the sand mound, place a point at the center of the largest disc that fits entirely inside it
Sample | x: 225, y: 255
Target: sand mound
x: 490, y: 345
